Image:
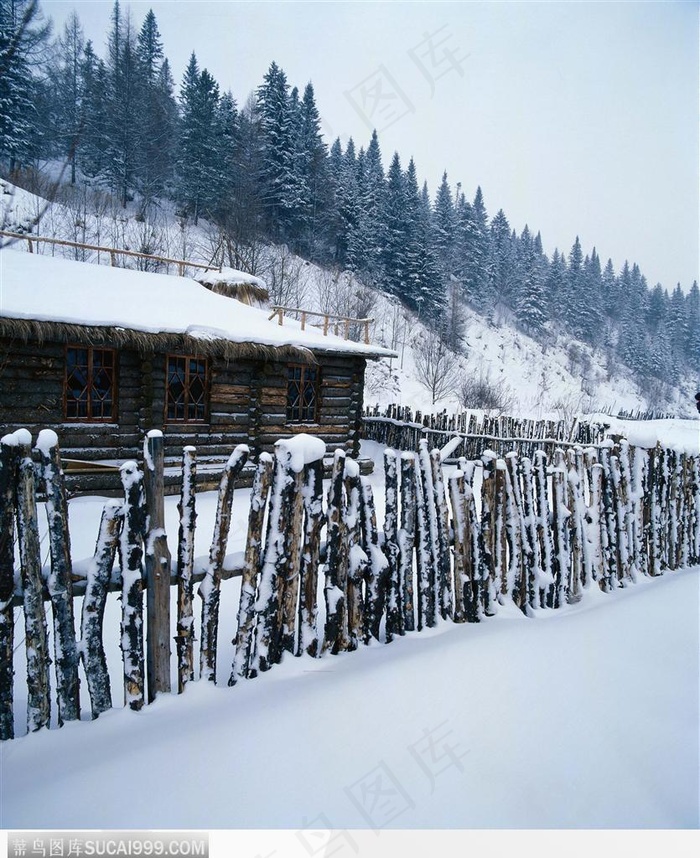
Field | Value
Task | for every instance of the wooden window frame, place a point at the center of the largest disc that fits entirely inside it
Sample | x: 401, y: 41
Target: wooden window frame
x: 89, y: 418
x: 303, y: 382
x: 193, y: 421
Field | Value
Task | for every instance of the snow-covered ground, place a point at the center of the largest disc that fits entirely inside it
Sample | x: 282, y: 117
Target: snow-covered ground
x: 586, y: 717
x: 582, y: 718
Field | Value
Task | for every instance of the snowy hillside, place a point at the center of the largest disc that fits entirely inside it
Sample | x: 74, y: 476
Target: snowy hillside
x: 559, y: 380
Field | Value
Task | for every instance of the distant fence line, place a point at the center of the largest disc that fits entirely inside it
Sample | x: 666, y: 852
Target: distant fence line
x: 114, y: 253
x: 400, y: 427
x: 548, y: 529
x: 645, y: 415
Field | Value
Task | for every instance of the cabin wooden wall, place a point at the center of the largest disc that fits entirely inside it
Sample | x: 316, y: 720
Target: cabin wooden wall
x: 247, y: 403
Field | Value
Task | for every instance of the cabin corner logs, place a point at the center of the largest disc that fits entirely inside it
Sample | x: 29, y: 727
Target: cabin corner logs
x: 320, y: 574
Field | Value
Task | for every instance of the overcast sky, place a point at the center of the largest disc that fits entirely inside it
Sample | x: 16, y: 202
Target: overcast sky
x: 575, y: 118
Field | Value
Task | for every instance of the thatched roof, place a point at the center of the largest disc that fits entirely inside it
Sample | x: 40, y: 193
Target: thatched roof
x: 235, y: 284
x: 31, y: 330
x: 57, y: 299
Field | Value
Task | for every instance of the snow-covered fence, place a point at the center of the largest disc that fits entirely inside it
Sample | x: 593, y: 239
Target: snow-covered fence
x: 402, y: 429
x: 534, y: 531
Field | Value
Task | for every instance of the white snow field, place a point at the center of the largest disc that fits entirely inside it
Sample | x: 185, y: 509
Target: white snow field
x: 582, y: 718
x: 585, y: 717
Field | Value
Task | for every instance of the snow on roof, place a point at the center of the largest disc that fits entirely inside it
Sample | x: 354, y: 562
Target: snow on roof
x: 45, y: 289
x: 229, y: 276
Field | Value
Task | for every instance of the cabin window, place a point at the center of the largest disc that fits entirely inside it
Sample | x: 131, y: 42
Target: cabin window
x: 186, y: 389
x: 89, y: 388
x: 302, y: 394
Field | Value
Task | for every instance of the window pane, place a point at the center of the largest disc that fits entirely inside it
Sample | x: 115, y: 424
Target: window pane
x: 89, y: 391
x: 302, y: 394
x: 186, y: 388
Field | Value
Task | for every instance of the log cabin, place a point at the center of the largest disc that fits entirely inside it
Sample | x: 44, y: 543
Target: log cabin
x: 102, y: 355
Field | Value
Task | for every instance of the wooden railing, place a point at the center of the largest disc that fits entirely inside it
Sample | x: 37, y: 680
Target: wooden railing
x: 113, y: 252
x: 330, y: 321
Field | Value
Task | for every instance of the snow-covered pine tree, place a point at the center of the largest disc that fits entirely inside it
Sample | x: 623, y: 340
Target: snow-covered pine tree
x: 92, y: 153
x: 312, y: 158
x: 394, y: 260
x: 198, y: 155
x: 503, y: 249
x: 444, y: 227
x: 67, y: 91
x: 21, y: 39
x: 283, y: 196
x: 122, y: 137
x: 369, y: 234
x: 158, y: 116
x: 692, y: 314
x: 530, y: 308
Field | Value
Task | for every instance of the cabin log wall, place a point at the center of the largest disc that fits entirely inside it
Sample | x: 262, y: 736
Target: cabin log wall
x: 247, y: 405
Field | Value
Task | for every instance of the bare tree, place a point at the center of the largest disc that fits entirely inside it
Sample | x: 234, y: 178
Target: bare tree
x: 479, y: 391
x: 436, y: 364
x: 286, y: 278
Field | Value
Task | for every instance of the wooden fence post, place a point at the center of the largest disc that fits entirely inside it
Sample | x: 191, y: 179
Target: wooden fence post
x: 444, y: 570
x: 291, y: 546
x: 406, y: 539
x: 308, y: 572
x: 426, y: 540
x: 158, y: 562
x: 394, y: 613
x: 378, y: 565
x: 8, y: 481
x: 357, y: 558
x: 493, y: 527
x: 210, y: 588
x: 580, y: 565
x: 544, y: 533
x: 608, y: 518
x: 91, y: 623
x: 533, y: 560
x: 560, y: 531
x: 335, y: 588
x: 38, y: 685
x: 187, y: 509
x: 518, y: 546
x: 596, y: 530
x: 461, y: 543
x: 245, y: 634
x: 131, y: 553
x: 694, y: 488
x: 59, y: 582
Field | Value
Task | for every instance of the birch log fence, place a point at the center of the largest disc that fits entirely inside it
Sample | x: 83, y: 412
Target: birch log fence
x: 398, y: 426
x: 320, y: 576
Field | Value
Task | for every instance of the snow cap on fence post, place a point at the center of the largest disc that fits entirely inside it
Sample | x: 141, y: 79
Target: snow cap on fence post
x: 300, y: 450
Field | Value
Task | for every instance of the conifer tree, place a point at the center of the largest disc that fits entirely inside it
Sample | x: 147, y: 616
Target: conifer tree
x: 395, y: 264
x: 199, y: 158
x: 157, y: 128
x: 68, y: 90
x: 22, y: 37
x: 444, y: 222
